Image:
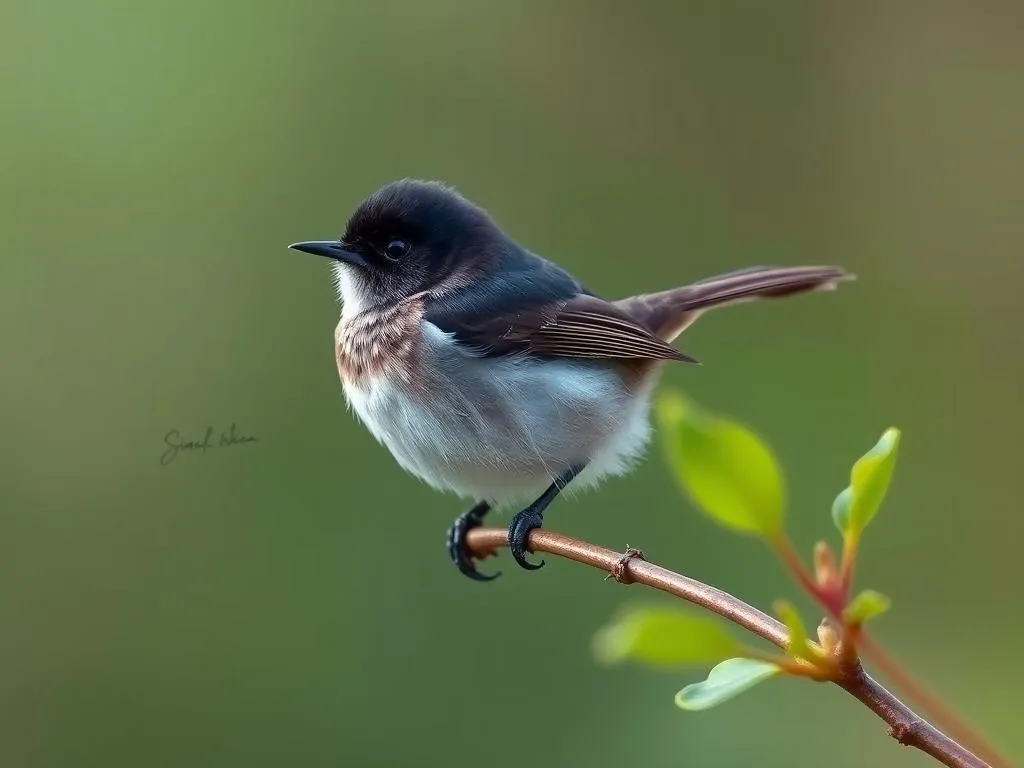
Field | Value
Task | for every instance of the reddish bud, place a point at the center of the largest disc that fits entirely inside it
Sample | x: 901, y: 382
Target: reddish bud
x: 825, y: 570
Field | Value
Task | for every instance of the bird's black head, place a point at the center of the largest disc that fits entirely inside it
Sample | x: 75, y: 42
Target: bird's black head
x: 407, y: 237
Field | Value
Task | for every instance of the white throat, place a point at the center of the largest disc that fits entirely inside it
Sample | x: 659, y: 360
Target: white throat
x: 350, y: 290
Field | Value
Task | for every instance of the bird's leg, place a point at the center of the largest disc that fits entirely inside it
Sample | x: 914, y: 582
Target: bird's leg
x: 533, y: 517
x: 471, y: 518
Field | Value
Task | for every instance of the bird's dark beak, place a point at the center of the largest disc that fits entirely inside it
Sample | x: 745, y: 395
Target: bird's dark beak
x: 332, y: 250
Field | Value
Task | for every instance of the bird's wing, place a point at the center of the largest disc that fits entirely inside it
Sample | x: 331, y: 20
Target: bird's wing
x: 533, y: 307
x: 587, y: 326
x: 670, y: 312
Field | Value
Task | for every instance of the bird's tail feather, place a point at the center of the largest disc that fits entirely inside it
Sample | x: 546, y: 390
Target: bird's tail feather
x: 669, y: 313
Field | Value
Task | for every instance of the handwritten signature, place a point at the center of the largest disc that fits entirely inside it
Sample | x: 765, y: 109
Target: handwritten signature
x: 176, y: 444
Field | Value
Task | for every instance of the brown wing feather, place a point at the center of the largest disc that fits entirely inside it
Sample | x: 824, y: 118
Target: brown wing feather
x: 589, y: 327
x: 669, y: 313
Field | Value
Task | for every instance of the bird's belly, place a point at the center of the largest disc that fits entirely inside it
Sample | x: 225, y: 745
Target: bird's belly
x: 503, y: 429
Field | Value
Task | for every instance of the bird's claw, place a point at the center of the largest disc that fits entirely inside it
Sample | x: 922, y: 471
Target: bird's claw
x: 519, y: 534
x: 457, y: 549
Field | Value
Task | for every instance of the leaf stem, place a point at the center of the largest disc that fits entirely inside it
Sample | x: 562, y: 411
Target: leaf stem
x: 830, y: 599
x: 848, y: 565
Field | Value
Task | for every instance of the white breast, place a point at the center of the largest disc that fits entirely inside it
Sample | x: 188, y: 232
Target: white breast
x: 503, y: 428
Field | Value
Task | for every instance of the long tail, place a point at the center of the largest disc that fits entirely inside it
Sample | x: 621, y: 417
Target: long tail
x: 671, y: 312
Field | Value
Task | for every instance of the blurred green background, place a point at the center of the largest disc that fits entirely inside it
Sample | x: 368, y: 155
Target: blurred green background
x: 290, y: 602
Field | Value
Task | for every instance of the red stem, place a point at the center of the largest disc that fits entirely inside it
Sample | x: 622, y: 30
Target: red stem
x: 831, y: 600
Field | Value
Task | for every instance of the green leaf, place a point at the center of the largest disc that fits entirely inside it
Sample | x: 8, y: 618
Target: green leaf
x: 663, y: 637
x: 869, y: 482
x: 728, y: 679
x: 867, y: 605
x: 797, y: 646
x: 841, y: 509
x: 727, y: 470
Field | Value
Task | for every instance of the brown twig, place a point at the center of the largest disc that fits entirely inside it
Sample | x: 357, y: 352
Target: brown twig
x: 904, y: 725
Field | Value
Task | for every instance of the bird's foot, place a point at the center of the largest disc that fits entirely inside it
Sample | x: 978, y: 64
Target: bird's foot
x: 519, y: 534
x: 457, y: 550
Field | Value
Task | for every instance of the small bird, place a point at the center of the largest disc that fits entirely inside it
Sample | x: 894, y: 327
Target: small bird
x: 489, y: 371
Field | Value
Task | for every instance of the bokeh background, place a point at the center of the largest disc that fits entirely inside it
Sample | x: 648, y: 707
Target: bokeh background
x: 289, y: 602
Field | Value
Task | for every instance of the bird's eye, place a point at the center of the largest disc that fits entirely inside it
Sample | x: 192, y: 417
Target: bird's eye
x: 396, y: 249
